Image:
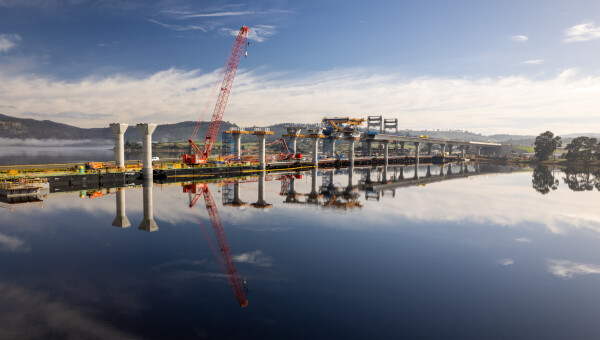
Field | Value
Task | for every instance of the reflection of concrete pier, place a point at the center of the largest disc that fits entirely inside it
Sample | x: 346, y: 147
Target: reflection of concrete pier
x: 121, y: 219
x: 148, y: 223
x: 236, y: 201
x: 379, y: 186
x: 261, y: 203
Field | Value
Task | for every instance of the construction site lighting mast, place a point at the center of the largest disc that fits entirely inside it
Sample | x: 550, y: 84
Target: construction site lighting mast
x: 198, y: 156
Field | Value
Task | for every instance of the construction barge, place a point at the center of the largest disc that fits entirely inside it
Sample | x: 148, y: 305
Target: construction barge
x: 65, y: 180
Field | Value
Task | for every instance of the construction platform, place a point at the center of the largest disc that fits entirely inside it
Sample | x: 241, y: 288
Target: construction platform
x: 61, y: 181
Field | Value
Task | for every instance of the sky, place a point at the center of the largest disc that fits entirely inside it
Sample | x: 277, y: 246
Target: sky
x: 518, y: 67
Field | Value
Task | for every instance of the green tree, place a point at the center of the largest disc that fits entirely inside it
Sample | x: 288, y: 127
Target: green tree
x: 545, y: 145
x: 584, y: 148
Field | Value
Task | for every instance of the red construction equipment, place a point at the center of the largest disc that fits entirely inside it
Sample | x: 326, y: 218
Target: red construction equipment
x: 226, y: 259
x: 227, y: 74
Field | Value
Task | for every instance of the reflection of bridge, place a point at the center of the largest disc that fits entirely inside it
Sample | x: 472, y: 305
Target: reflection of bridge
x: 398, y: 178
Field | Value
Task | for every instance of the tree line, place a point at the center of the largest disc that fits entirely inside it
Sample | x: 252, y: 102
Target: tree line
x: 582, y: 148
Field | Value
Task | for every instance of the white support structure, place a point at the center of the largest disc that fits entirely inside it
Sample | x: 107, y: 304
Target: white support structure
x: 146, y: 130
x: 351, y: 152
x: 262, y: 151
x: 119, y: 130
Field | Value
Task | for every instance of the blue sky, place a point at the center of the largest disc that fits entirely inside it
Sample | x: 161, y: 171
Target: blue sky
x: 502, y: 66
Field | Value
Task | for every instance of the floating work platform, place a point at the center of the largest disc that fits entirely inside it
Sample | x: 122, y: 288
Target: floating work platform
x: 11, y: 189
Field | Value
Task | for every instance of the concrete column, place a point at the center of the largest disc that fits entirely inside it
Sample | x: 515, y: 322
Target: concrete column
x: 148, y: 223
x: 462, y: 151
x: 450, y: 146
x: 238, y: 145
x: 121, y: 220
x: 386, y: 149
x: 315, y: 152
x: 294, y: 141
x: 333, y: 147
x: 429, y: 145
x: 417, y: 152
x: 351, y: 152
x: 402, y: 147
x: 443, y: 148
x: 369, y: 148
x: 262, y: 152
x: 442, y: 170
x: 428, y: 174
x: 119, y: 130
x: 479, y: 151
x: 416, y: 176
x: 146, y: 131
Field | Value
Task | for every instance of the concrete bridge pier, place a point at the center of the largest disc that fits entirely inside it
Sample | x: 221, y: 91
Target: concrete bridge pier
x: 450, y: 147
x: 402, y: 147
x: 146, y: 130
x: 262, y: 152
x: 351, y: 152
x: 121, y: 220
x: 369, y: 148
x: 462, y: 151
x: 443, y: 148
x: 417, y: 152
x: 119, y: 130
x: 478, y: 151
x: 237, y: 139
x: 261, y: 134
x: 315, y: 151
x: 386, y: 151
x: 429, y: 146
x: 148, y: 223
x: 428, y: 174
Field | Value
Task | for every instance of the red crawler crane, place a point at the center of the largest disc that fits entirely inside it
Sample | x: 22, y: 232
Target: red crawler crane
x: 197, y: 156
x: 226, y: 260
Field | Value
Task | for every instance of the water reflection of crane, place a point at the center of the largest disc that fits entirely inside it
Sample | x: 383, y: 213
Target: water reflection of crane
x: 226, y: 259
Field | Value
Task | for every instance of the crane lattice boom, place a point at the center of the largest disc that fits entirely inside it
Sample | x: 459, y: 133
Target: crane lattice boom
x: 228, y: 74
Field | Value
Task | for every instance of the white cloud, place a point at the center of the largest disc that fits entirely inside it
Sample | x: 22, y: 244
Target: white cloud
x: 523, y: 240
x: 257, y: 33
x: 254, y: 257
x: 568, y: 269
x: 535, y: 62
x: 11, y: 243
x: 519, y: 38
x: 212, y: 15
x: 506, y: 262
x: 179, y: 27
x: 8, y: 41
x: 565, y: 103
x: 583, y: 32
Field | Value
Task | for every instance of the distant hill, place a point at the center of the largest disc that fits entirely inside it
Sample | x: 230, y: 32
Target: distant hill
x: 19, y: 128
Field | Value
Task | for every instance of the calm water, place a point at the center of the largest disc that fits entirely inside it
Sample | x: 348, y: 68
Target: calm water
x: 487, y: 254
